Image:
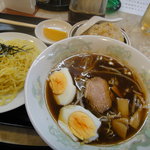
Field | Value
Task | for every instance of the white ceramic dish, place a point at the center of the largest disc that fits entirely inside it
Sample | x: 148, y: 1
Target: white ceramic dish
x: 19, y: 100
x: 77, y: 25
x: 35, y: 102
x: 51, y: 23
x: 93, y: 20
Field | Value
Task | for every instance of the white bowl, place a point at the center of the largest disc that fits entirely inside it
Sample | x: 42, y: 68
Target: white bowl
x: 78, y: 24
x: 35, y: 102
x: 51, y: 23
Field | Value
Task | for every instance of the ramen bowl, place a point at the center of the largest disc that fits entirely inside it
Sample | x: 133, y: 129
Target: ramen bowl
x: 35, y: 89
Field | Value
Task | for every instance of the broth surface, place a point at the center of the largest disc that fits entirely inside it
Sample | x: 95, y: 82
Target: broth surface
x: 86, y: 66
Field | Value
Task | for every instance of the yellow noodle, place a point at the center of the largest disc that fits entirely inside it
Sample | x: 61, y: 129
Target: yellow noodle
x: 13, y: 69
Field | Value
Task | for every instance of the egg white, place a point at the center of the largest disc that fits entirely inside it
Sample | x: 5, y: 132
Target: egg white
x: 68, y: 95
x: 64, y: 114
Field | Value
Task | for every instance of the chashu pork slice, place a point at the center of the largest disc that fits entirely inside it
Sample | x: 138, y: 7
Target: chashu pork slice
x: 97, y: 94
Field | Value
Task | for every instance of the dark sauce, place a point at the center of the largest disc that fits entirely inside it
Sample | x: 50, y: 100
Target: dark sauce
x: 74, y: 17
x: 54, y: 108
x: 91, y: 65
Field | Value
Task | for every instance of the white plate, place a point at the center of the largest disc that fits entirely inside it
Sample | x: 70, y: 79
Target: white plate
x: 53, y: 23
x: 78, y: 24
x: 19, y: 100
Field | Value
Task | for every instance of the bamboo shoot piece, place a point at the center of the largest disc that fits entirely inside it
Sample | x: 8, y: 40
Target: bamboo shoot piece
x: 120, y: 126
x: 136, y: 119
x: 124, y: 121
x: 123, y: 107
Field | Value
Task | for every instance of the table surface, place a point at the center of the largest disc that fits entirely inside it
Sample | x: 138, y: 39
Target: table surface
x: 139, y: 40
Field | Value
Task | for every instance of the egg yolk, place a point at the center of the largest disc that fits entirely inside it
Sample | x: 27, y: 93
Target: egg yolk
x: 81, y: 125
x: 54, y: 35
x: 57, y: 82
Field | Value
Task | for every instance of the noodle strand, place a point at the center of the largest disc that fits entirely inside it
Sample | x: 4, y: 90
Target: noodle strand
x: 13, y: 69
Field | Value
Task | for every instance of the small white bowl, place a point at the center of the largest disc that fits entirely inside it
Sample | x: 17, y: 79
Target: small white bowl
x: 78, y: 24
x: 51, y: 23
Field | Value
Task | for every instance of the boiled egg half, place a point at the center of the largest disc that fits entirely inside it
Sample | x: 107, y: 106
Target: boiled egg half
x: 62, y: 86
x: 79, y: 123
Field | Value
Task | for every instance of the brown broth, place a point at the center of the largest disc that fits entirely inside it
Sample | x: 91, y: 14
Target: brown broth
x: 77, y: 65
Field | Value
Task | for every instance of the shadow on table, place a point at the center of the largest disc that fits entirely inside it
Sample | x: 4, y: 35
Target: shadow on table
x: 5, y: 146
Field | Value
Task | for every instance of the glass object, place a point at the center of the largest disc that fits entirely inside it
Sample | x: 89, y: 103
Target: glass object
x: 26, y: 6
x: 145, y: 22
x: 85, y: 9
x: 43, y: 1
x: 113, y: 5
x: 53, y: 5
